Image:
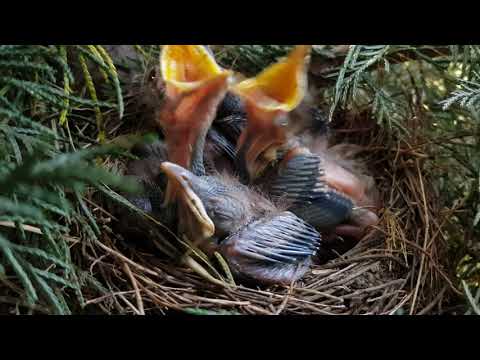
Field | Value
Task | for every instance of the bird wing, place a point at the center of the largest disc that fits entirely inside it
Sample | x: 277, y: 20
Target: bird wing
x: 300, y: 182
x: 273, y: 250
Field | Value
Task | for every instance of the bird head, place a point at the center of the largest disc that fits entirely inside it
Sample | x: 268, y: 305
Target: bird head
x: 194, y: 87
x: 269, y: 98
x: 210, y: 207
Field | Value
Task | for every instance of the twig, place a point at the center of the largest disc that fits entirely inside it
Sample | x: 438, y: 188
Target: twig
x: 223, y: 302
x: 258, y: 310
x: 135, y: 286
x: 401, y: 303
x: 95, y: 262
x: 195, y: 266
x: 363, y: 258
x: 335, y: 274
x: 350, y: 277
x: 320, y: 293
x: 430, y: 306
x: 125, y: 259
x: 435, y: 265
x: 129, y: 304
x: 285, y: 301
x: 373, y: 288
x: 28, y: 228
x: 100, y: 208
x: 425, y: 239
x: 103, y: 297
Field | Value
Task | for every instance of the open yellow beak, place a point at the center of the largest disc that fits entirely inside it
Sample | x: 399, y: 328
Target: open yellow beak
x: 187, y: 67
x: 281, y: 86
x: 269, y: 96
x: 194, y: 87
x: 190, y: 118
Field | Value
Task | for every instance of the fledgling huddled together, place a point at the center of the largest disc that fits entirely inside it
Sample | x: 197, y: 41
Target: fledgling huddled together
x: 244, y: 168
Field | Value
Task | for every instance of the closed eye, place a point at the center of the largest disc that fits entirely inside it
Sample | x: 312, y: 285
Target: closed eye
x: 221, y: 216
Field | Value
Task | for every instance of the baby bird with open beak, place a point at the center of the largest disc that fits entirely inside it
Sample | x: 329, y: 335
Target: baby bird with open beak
x: 323, y: 191
x: 193, y: 86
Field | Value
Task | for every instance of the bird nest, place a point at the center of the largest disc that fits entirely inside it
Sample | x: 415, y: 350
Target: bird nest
x: 398, y: 267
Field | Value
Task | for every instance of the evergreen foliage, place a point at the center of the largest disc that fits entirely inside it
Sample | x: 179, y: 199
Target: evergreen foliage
x: 45, y: 173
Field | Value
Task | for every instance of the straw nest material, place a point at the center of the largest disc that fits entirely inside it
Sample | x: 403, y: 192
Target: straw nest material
x: 399, y: 266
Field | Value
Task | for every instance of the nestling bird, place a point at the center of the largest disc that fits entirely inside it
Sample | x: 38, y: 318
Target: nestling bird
x: 260, y: 240
x: 323, y: 190
x: 191, y: 93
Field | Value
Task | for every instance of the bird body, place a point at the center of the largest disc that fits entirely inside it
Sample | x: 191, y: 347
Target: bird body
x: 260, y: 241
x: 287, y: 139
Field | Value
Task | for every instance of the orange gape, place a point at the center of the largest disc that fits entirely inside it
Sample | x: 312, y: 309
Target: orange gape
x: 194, y: 86
x: 268, y: 97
